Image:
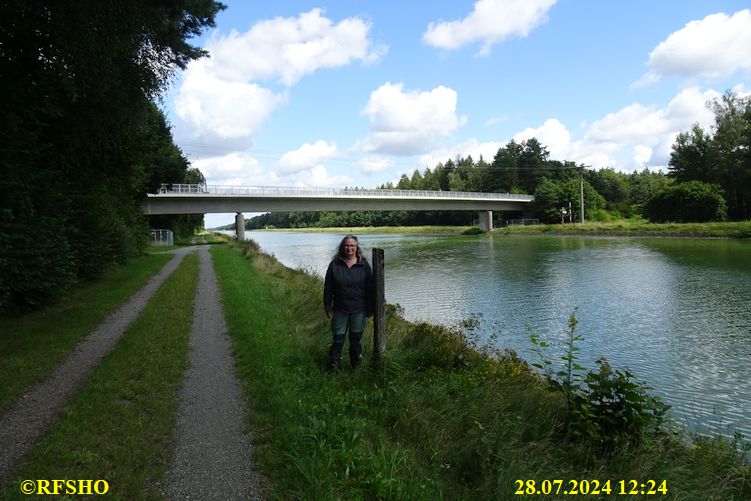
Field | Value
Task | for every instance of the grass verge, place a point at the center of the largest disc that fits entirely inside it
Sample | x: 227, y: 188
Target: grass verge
x: 741, y: 229
x: 119, y: 426
x: 439, y: 418
x: 31, y: 345
x: 356, y: 230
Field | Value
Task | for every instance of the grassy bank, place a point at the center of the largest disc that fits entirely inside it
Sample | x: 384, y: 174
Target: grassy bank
x: 635, y: 228
x: 356, y: 230
x: 438, y: 419
x: 31, y: 345
x: 119, y: 426
x: 740, y: 229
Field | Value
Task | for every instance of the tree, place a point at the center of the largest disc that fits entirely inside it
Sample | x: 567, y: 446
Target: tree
x: 644, y: 185
x: 551, y: 196
x: 732, y: 150
x: 505, y: 170
x: 723, y: 158
x: 532, y: 164
x: 692, y: 201
x: 77, y: 85
x: 691, y: 158
x: 613, y: 186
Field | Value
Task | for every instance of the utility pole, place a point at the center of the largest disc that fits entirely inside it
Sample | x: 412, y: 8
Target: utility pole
x: 581, y: 192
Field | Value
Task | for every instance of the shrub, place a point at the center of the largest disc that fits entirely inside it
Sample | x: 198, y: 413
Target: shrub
x: 604, y: 406
x: 692, y: 201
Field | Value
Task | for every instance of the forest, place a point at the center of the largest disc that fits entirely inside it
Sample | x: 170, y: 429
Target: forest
x: 82, y: 138
x: 708, y: 179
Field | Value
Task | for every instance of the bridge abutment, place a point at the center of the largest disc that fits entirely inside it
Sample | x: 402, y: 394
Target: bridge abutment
x: 486, y: 220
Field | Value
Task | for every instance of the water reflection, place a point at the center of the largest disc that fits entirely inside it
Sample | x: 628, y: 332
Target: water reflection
x: 673, y: 310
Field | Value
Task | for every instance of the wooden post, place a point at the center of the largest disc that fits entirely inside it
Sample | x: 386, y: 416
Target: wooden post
x: 379, y: 309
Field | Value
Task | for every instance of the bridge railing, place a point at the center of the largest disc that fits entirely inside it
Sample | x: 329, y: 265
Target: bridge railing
x: 328, y: 192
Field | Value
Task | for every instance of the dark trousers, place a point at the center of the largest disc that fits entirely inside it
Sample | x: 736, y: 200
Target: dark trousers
x: 341, y: 323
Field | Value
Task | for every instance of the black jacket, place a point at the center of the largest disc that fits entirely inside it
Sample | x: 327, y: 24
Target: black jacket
x: 348, y: 290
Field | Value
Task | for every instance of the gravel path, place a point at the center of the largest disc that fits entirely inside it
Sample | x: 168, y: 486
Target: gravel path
x: 213, y: 456
x: 29, y: 418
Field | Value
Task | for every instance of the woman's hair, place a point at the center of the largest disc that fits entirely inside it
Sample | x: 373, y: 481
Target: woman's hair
x: 340, y: 249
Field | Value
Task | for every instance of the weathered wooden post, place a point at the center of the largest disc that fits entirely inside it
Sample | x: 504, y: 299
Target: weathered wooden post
x: 379, y: 309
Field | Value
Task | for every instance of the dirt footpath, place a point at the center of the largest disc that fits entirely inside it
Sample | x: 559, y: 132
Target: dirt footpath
x: 31, y: 415
x: 213, y: 456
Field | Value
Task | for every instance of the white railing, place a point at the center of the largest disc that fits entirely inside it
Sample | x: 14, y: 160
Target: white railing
x: 333, y: 192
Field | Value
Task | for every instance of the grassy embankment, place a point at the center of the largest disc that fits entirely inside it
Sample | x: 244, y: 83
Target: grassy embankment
x: 119, y: 426
x: 740, y: 229
x: 438, y: 419
x: 31, y: 345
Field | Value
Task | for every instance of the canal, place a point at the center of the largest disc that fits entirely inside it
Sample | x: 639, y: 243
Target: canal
x: 675, y: 311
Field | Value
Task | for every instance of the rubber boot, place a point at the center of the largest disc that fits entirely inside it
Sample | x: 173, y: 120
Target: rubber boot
x: 355, y: 349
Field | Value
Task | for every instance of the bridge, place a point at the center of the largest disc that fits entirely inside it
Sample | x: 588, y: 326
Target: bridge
x: 203, y: 199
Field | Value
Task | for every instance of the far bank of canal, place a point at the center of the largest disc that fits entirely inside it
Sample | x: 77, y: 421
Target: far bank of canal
x: 675, y: 311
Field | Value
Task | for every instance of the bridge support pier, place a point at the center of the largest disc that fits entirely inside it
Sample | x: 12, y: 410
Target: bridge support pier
x: 240, y: 226
x: 486, y: 220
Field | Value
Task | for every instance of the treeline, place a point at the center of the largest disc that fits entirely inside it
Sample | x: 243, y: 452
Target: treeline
x: 82, y: 140
x: 709, y: 179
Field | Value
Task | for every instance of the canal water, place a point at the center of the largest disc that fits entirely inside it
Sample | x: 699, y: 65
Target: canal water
x: 675, y: 311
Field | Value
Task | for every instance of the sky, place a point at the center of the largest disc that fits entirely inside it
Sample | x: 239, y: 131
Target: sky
x: 357, y: 93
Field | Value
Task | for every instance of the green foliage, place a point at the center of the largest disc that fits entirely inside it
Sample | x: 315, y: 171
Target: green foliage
x: 692, y: 201
x: 82, y: 140
x: 551, y: 196
x: 608, y: 407
x: 722, y: 158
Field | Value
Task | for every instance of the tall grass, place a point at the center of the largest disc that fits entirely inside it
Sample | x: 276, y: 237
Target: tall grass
x: 437, y: 419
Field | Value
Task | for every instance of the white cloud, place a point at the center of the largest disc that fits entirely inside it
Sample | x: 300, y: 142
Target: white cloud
x: 234, y: 169
x: 289, y: 48
x: 472, y: 148
x: 714, y: 47
x: 491, y: 21
x: 648, y: 124
x: 628, y: 138
x: 642, y: 154
x: 219, y: 97
x: 374, y: 163
x: 306, y: 157
x: 407, y: 123
x: 242, y: 169
x: 553, y: 135
x: 496, y: 120
x: 223, y: 109
x: 319, y: 176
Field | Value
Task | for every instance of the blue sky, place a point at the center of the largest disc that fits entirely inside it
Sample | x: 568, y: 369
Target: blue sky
x: 355, y: 93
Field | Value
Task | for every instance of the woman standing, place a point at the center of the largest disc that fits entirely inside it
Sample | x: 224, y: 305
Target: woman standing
x: 347, y: 300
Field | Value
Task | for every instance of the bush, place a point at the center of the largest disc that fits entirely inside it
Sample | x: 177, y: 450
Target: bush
x: 689, y: 202
x: 608, y: 407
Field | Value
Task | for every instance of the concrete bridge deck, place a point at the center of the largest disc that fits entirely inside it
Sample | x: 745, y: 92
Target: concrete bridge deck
x: 201, y: 199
